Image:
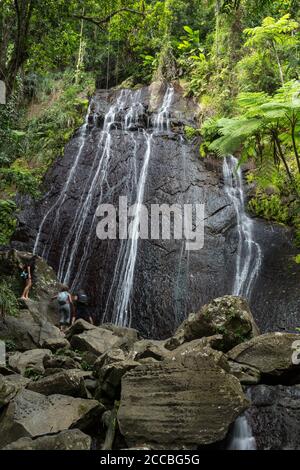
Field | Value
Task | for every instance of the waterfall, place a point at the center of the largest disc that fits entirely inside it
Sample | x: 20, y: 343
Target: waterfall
x: 97, y: 175
x: 248, y: 263
x: 123, y: 280
x: 249, y: 254
x: 242, y: 438
x: 126, y: 114
x: 83, y: 133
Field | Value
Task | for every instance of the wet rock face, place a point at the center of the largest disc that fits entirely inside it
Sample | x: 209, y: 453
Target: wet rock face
x: 275, y: 302
x: 169, y: 282
x: 274, y: 417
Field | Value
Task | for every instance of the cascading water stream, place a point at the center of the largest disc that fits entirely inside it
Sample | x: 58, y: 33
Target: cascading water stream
x: 249, y: 254
x: 248, y: 263
x: 95, y: 180
x: 127, y: 112
x: 162, y: 119
x: 242, y: 438
x: 61, y: 199
x: 125, y: 266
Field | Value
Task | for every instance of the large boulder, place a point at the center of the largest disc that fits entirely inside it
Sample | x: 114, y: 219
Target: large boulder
x: 109, y: 357
x: 34, y: 324
x: 56, y: 343
x: 202, y: 347
x: 271, y: 354
x: 149, y: 349
x: 10, y: 385
x: 274, y: 417
x: 97, y: 341
x: 182, y: 403
x: 29, y: 329
x: 228, y: 316
x: 79, y: 327
x: 60, y: 362
x: 67, y: 382
x: 31, y: 414
x: 110, y: 378
x: 32, y: 360
x: 246, y: 374
x: 72, y: 439
x: 130, y: 334
x: 45, y: 283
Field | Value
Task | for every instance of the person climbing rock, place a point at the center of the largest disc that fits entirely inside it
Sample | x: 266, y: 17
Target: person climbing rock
x: 82, y: 310
x: 65, y: 307
x: 27, y: 274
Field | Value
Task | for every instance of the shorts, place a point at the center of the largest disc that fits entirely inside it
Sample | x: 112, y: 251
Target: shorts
x: 65, y: 314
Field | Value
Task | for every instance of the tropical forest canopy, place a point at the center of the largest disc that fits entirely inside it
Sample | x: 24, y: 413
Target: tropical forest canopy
x: 238, y: 58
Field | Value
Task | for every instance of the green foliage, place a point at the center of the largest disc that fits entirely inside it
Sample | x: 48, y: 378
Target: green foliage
x: 190, y: 132
x: 10, y: 345
x: 264, y: 124
x: 273, y: 32
x: 33, y: 374
x: 8, y: 299
x: 220, y: 50
x: 270, y: 207
x: 271, y: 43
x: 32, y: 141
x: 86, y: 366
x: 266, y: 129
x: 7, y: 220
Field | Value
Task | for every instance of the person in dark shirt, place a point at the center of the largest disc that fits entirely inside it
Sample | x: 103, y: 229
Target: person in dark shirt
x: 82, y: 310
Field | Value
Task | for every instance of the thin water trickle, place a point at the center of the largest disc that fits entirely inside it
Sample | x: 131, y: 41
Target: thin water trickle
x: 242, y: 438
x: 162, y: 120
x: 249, y: 253
x: 182, y: 280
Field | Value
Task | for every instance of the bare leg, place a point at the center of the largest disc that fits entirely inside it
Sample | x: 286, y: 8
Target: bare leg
x: 24, y: 294
x: 27, y: 289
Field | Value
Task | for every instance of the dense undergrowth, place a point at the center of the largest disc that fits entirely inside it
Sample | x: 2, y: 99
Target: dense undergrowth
x: 35, y: 135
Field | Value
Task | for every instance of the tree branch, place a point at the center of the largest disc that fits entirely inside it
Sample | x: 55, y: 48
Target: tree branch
x: 100, y: 22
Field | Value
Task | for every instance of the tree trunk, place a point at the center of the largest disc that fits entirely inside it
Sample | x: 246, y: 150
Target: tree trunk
x: 217, y: 16
x: 278, y: 63
x: 80, y: 52
x: 295, y: 145
x: 24, y: 9
x: 280, y: 152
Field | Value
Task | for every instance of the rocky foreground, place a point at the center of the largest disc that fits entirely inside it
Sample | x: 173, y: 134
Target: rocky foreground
x: 104, y: 387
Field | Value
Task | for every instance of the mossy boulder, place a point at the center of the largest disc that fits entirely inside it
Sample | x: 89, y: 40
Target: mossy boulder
x: 72, y: 439
x: 179, y: 404
x: 273, y: 354
x: 228, y: 316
